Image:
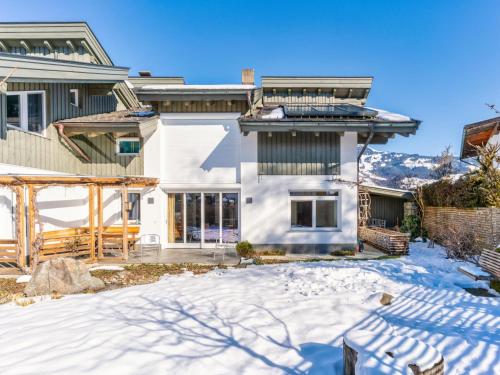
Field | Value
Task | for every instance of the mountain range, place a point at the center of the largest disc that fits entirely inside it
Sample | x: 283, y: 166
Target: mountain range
x: 401, y: 170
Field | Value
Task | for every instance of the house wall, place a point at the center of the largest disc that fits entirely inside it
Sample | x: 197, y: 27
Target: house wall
x: 266, y: 220
x: 495, y: 140
x: 201, y: 152
x: 193, y: 152
x: 48, y: 152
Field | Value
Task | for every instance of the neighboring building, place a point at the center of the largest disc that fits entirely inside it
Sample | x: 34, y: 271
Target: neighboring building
x: 276, y: 165
x: 65, y: 109
x: 479, y: 134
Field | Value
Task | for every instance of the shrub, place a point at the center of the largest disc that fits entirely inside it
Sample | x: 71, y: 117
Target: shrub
x: 343, y: 253
x: 460, y: 243
x: 411, y: 224
x: 245, y: 249
x: 478, y: 188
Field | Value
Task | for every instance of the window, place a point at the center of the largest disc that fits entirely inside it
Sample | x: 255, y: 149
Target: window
x: 26, y: 110
x: 73, y: 97
x: 314, y: 209
x: 134, y: 207
x: 128, y: 146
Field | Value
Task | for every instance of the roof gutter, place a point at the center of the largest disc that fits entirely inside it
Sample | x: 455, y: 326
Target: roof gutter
x: 71, y: 144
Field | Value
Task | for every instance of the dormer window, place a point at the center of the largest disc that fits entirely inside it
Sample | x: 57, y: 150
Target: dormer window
x: 73, y: 97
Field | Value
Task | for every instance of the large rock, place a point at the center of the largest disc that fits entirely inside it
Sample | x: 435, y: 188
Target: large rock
x: 63, y: 275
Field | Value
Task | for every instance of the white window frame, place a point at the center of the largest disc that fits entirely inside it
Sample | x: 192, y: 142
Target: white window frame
x: 314, y: 199
x: 76, y: 92
x: 127, y: 139
x: 135, y: 221
x: 23, y: 113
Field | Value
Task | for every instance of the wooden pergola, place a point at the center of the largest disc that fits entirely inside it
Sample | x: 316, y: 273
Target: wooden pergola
x: 95, y: 185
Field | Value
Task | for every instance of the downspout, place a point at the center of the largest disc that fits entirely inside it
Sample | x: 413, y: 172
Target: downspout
x: 363, y: 149
x: 71, y: 144
x: 368, y: 140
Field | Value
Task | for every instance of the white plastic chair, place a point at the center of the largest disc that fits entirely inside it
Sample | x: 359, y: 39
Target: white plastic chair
x: 150, y: 241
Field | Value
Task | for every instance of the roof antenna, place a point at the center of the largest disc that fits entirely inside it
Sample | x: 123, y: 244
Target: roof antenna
x: 3, y: 83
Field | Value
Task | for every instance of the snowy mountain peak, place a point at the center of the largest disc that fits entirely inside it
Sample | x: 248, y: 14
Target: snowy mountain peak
x: 400, y: 170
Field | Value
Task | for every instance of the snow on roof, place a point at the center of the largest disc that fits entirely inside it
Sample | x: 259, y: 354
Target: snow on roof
x: 198, y: 87
x: 390, y: 116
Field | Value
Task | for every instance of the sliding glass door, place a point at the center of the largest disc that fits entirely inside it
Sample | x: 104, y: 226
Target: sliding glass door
x: 203, y: 219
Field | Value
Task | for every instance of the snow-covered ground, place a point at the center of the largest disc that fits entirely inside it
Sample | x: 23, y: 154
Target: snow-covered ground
x: 264, y: 319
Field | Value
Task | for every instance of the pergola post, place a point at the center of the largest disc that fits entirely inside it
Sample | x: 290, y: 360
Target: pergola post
x: 125, y: 222
x: 91, y: 189
x: 21, y: 226
x: 31, y: 223
x: 99, y: 222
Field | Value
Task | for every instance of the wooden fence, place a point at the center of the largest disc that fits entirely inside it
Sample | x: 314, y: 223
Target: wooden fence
x: 483, y: 221
x: 8, y: 252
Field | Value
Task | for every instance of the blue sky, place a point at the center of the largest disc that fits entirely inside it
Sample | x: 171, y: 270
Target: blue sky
x: 438, y: 61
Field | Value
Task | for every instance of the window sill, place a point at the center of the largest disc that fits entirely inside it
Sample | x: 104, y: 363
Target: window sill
x: 12, y: 127
x: 309, y: 230
x: 118, y: 154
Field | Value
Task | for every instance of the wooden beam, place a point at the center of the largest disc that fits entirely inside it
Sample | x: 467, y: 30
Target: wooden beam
x: 99, y: 222
x: 4, y: 46
x: 21, y: 226
x: 48, y: 45
x: 77, y: 180
x: 91, y: 221
x: 125, y: 222
x: 25, y: 45
x: 71, y: 46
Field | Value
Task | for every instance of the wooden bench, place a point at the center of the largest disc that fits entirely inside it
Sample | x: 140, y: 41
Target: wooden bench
x: 489, y: 262
x: 113, y: 236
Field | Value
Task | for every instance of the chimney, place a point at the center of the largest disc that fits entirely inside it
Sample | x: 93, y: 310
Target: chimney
x: 247, y: 77
x: 144, y: 73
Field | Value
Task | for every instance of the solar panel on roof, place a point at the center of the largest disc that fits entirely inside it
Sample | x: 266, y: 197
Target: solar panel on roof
x: 336, y: 110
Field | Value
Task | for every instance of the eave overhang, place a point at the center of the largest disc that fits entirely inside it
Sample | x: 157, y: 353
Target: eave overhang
x: 141, y: 129
x: 382, y: 130
x: 388, y: 192
x: 193, y: 92
x: 477, y: 134
x: 39, y: 69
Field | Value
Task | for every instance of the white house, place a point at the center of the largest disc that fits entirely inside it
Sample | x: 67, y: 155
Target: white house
x: 275, y: 165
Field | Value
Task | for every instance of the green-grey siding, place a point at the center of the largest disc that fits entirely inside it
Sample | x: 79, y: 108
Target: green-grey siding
x: 57, y: 99
x: 3, y: 116
x: 51, y: 153
x: 389, y: 209
x: 302, y: 154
